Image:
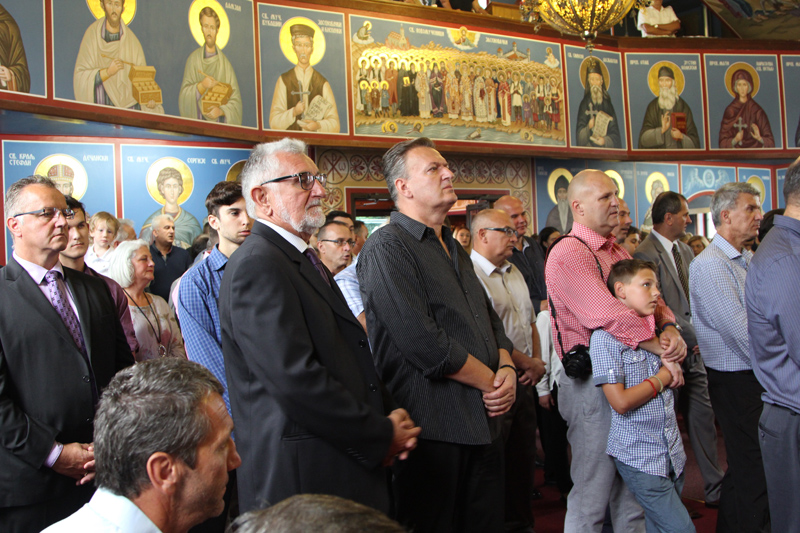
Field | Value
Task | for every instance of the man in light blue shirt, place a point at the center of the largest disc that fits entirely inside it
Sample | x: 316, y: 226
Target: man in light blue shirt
x: 717, y: 284
x: 772, y: 293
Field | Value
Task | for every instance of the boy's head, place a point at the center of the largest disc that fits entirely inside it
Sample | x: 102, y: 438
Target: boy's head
x: 103, y: 228
x: 635, y: 283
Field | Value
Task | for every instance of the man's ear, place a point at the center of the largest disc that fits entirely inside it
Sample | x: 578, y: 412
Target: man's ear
x: 576, y: 207
x: 14, y: 225
x: 261, y: 197
x: 164, y: 472
x: 401, y: 184
x: 213, y: 221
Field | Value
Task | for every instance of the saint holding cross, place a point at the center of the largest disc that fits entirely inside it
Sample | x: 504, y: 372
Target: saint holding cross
x: 745, y: 124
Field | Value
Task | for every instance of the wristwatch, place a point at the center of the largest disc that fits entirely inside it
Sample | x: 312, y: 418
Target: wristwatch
x: 674, y: 324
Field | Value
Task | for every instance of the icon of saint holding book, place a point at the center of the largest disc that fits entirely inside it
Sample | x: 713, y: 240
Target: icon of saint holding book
x: 668, y: 122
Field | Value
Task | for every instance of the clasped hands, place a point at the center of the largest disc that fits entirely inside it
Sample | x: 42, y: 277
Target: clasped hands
x: 76, y: 461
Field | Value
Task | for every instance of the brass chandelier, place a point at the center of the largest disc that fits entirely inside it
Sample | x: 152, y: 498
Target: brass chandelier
x: 585, y: 18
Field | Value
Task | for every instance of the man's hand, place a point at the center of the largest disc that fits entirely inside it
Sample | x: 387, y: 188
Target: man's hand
x: 673, y: 344
x: 215, y: 113
x: 546, y: 401
x: 532, y: 370
x: 590, y: 125
x: 600, y: 141
x: 114, y: 67
x: 665, y: 122
x: 738, y: 138
x: 299, y: 109
x: 404, y: 437
x: 208, y: 83
x: 677, y: 374
x: 309, y: 125
x: 676, y: 134
x: 502, y: 398
x: 76, y: 461
x: 756, y: 133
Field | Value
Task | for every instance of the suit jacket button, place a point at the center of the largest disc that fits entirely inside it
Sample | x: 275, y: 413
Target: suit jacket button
x: 86, y: 379
x: 362, y: 343
x: 88, y: 420
x: 372, y: 387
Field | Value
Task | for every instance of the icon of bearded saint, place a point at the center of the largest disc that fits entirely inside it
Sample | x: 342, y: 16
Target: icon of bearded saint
x: 596, y: 100
x: 659, y: 130
x: 560, y: 217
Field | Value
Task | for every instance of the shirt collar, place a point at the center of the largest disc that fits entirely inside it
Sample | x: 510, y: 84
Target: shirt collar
x: 487, y: 266
x: 792, y: 224
x: 728, y: 249
x: 37, y: 272
x: 591, y: 237
x: 293, y: 239
x: 666, y: 243
x: 154, y: 251
x: 216, y: 260
x: 416, y: 228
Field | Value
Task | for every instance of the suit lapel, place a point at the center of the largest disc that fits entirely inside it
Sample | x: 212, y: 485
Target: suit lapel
x: 84, y: 313
x: 332, y: 294
x: 23, y: 284
x: 666, y: 258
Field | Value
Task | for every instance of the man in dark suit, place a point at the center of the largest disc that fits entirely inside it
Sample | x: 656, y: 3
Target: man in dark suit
x: 61, y: 343
x: 309, y: 409
x: 664, y: 248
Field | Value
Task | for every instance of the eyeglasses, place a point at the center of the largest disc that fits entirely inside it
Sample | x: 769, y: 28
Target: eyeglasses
x: 339, y: 242
x: 47, y: 213
x: 510, y: 232
x: 306, y: 179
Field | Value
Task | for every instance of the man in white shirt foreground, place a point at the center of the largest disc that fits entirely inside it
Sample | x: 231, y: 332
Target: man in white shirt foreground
x: 163, y: 450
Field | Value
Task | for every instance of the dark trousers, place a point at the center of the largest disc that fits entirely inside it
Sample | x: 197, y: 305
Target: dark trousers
x: 736, y: 399
x: 444, y: 487
x: 217, y: 524
x: 38, y: 516
x: 779, y: 436
x: 519, y: 435
x: 553, y: 430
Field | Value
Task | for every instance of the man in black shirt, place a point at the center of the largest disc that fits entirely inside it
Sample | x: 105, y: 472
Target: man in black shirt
x: 170, y: 261
x: 440, y: 348
x: 528, y: 256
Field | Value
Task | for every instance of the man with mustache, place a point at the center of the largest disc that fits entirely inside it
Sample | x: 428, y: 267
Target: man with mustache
x: 310, y: 410
x: 657, y: 129
x: 297, y: 88
x: 595, y: 100
x: 205, y: 68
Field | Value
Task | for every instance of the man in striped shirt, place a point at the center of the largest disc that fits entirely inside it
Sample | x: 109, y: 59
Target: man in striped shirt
x: 576, y: 275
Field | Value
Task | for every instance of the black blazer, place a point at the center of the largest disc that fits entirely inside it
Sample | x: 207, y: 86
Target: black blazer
x: 45, y: 391
x: 307, y: 403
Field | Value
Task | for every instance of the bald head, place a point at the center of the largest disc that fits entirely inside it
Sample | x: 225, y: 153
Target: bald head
x: 593, y: 199
x: 516, y: 210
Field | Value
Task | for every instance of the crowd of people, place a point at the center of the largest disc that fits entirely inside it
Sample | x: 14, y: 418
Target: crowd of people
x: 395, y: 381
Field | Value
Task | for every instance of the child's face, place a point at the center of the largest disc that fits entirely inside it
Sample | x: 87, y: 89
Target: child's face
x: 102, y: 235
x: 641, y: 294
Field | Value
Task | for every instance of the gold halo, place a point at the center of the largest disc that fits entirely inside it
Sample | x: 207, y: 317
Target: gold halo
x: 742, y: 66
x: 603, y: 67
x: 177, y: 164
x: 81, y: 181
x: 758, y: 183
x: 285, y: 40
x: 614, y: 175
x: 652, y: 77
x: 127, y: 14
x: 224, y: 32
x: 235, y: 170
x: 648, y: 185
x: 551, y: 181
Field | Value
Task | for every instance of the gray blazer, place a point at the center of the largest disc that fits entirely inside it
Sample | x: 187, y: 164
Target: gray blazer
x: 671, y: 290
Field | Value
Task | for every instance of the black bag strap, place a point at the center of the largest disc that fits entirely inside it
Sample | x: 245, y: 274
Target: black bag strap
x: 552, y: 306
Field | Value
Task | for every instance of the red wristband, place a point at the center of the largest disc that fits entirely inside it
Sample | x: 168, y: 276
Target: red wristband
x: 655, y: 390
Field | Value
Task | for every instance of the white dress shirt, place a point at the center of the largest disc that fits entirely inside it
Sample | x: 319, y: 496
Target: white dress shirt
x: 106, y: 513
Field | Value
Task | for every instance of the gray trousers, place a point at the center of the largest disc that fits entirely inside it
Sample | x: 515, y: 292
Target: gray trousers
x: 597, y: 483
x: 779, y: 437
x: 694, y: 402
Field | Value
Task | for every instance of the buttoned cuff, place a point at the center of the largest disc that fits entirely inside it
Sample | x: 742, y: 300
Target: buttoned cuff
x: 55, y: 453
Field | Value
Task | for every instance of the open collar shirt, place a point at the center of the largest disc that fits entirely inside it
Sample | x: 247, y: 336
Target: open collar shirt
x: 426, y: 312
x: 772, y: 293
x: 716, y: 283
x: 106, y: 512
x: 581, y: 301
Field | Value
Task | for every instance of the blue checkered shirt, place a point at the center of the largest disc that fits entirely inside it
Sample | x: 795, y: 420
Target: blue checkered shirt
x: 198, y: 312
x: 348, y: 283
x: 719, y: 314
x: 646, y: 438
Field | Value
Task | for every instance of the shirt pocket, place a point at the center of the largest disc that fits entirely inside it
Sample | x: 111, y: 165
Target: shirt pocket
x: 635, y: 367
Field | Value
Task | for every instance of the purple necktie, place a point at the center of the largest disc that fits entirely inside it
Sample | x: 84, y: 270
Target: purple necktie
x: 312, y: 256
x: 59, y: 300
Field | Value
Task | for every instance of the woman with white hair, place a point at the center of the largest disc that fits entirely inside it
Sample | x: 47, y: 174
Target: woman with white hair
x: 153, y: 321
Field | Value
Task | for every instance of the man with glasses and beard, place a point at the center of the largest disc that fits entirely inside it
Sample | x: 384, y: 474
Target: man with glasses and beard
x: 310, y: 410
x: 657, y: 128
x: 595, y: 100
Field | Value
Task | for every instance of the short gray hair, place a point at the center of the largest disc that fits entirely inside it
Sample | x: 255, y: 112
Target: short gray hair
x: 14, y: 193
x: 153, y: 406
x: 394, y: 161
x: 156, y: 222
x: 122, y: 234
x: 120, y: 267
x: 791, y: 185
x: 262, y: 165
x: 726, y: 197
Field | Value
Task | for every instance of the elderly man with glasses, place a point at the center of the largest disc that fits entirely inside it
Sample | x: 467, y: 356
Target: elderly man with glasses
x: 311, y: 414
x: 62, y: 342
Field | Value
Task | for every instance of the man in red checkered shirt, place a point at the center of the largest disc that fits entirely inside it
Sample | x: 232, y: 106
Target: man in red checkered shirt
x: 582, y: 304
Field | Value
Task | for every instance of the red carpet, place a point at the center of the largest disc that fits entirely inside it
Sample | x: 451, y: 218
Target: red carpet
x: 549, y: 511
